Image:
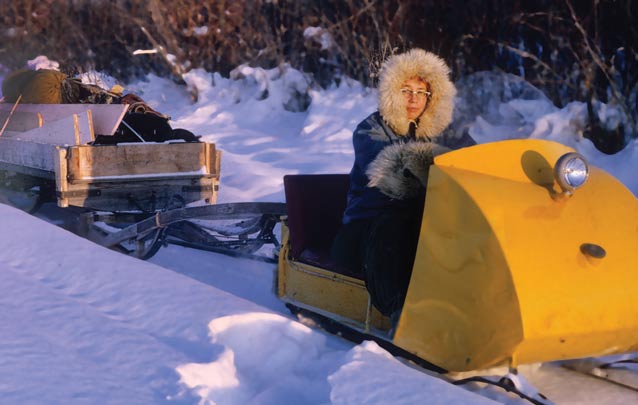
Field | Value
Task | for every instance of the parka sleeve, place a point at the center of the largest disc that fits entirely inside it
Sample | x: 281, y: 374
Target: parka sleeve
x: 368, y: 142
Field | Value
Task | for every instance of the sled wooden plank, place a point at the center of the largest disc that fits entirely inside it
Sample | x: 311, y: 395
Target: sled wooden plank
x: 217, y: 155
x: 213, y: 160
x: 20, y: 120
x: 61, y: 174
x: 73, y: 130
x: 90, y: 162
x: 123, y: 195
x: 138, y: 177
x: 208, y: 152
x: 106, y: 117
x: 28, y: 154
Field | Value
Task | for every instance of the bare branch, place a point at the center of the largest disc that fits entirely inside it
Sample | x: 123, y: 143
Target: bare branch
x: 594, y: 52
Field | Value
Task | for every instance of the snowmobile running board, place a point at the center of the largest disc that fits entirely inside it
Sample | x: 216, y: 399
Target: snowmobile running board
x: 357, y: 336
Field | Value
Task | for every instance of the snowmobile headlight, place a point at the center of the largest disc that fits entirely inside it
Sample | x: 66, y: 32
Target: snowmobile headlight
x: 571, y: 171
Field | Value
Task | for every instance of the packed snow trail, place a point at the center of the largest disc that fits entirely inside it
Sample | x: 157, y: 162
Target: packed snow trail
x: 83, y: 324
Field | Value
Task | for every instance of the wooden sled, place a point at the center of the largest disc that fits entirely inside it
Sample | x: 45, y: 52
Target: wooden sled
x: 46, y: 154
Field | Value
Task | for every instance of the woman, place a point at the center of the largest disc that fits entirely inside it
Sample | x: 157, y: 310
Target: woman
x: 394, y: 148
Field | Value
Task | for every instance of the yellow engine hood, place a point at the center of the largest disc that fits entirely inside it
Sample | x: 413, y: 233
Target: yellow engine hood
x: 499, y: 274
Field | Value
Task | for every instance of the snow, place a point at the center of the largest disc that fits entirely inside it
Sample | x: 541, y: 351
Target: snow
x: 82, y: 324
x: 42, y: 62
x: 320, y: 35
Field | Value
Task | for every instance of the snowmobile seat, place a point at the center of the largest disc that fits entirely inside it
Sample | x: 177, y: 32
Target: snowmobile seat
x: 315, y: 205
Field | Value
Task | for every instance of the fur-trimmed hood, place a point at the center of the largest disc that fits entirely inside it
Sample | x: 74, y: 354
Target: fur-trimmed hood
x: 426, y: 65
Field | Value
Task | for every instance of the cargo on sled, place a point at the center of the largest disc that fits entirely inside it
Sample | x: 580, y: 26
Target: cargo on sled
x: 517, y: 262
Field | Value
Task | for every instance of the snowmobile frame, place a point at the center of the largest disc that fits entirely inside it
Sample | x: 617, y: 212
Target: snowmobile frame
x: 502, y: 242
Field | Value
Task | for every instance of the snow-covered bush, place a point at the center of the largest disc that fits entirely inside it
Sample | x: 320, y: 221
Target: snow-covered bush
x: 292, y: 89
x: 500, y: 99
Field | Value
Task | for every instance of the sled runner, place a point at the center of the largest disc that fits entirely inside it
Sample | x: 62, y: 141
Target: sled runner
x: 87, y: 156
x: 515, y: 263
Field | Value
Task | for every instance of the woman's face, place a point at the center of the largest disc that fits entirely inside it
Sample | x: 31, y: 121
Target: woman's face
x: 415, y: 91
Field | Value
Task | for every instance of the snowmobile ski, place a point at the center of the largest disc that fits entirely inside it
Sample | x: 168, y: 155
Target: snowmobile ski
x: 511, y: 383
x: 612, y: 372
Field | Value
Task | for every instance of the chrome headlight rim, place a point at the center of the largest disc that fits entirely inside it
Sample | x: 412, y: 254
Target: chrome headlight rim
x: 571, y: 171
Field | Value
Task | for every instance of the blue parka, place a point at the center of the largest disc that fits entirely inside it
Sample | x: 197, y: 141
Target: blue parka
x: 370, y: 137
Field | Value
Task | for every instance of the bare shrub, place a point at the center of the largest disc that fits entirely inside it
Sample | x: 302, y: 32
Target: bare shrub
x: 583, y: 50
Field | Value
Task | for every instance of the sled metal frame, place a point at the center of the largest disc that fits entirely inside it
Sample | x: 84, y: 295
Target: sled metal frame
x: 269, y: 213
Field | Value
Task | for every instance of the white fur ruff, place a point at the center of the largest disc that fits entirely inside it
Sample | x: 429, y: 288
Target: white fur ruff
x: 401, y: 170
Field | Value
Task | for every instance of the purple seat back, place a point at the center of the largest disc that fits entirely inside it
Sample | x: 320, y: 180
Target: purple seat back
x: 315, y: 205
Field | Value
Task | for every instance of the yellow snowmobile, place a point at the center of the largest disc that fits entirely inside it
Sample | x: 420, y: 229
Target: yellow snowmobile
x: 526, y: 254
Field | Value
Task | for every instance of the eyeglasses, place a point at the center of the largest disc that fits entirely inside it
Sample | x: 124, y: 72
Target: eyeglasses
x: 419, y: 94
